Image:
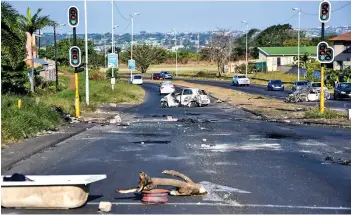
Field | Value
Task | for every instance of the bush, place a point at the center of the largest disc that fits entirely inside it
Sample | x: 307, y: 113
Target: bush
x: 21, y: 123
x: 242, y: 68
x: 96, y: 75
x: 109, y: 73
x: 314, y: 113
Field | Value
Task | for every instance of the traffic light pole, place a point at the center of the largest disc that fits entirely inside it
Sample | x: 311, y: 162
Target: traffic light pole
x: 56, y: 69
x: 321, y: 100
x: 77, y: 102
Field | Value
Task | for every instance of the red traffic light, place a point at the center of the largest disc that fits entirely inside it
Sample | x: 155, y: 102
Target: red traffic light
x: 322, y: 53
x: 73, y: 16
x: 325, y: 6
x: 75, y: 56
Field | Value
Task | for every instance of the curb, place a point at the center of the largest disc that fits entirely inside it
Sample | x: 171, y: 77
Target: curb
x: 56, y: 138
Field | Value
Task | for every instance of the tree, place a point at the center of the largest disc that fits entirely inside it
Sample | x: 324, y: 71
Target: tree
x: 304, y: 59
x: 239, y: 44
x: 145, y: 55
x: 220, y: 49
x: 13, y: 75
x: 30, y: 24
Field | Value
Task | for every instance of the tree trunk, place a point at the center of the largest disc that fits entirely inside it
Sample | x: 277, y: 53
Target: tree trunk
x: 184, y: 188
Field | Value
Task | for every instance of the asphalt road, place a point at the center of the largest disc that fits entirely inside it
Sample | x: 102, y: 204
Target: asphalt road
x: 266, y: 167
x: 262, y: 90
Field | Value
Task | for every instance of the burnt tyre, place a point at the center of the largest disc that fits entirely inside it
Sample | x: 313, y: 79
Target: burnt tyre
x: 193, y: 104
x: 164, y: 105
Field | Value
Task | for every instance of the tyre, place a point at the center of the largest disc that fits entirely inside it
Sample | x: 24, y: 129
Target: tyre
x: 164, y: 104
x: 193, y: 104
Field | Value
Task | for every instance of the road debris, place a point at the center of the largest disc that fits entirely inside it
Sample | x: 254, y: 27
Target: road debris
x: 156, y: 196
x: 219, y: 101
x: 123, y: 124
x: 184, y: 188
x: 204, y: 140
x: 105, y: 206
x: 338, y: 161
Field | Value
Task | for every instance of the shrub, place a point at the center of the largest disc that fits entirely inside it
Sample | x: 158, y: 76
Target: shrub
x: 314, y: 113
x: 96, y: 75
x: 109, y: 73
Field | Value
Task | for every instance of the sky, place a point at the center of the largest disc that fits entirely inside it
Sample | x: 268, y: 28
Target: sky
x: 183, y: 16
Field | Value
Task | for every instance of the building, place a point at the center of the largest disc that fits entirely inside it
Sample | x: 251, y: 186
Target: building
x: 275, y: 57
x: 342, y: 49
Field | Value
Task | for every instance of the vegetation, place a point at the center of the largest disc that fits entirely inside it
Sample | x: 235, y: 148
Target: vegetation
x: 314, y: 113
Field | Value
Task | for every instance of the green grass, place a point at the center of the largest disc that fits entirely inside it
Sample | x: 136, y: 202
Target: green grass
x: 314, y: 113
x: 31, y: 118
x: 263, y: 78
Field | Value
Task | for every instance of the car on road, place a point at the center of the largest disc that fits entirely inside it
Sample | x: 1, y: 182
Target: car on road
x: 299, y: 85
x: 156, y: 76
x: 190, y: 97
x: 166, y: 87
x: 166, y: 75
x: 275, y: 85
x: 316, y: 87
x: 342, y: 91
x: 239, y: 80
x: 137, y: 79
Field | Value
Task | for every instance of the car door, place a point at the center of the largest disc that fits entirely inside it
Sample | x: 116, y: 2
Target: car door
x: 186, y: 96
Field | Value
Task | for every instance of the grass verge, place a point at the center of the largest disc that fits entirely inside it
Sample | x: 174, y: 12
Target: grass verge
x: 273, y: 109
x: 37, y: 112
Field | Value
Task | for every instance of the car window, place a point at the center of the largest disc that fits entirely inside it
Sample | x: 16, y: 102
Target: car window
x: 316, y: 85
x: 276, y: 81
x: 202, y: 92
x: 166, y: 83
x: 241, y: 76
x: 301, y: 83
x: 345, y: 85
x: 137, y: 77
x: 187, y: 92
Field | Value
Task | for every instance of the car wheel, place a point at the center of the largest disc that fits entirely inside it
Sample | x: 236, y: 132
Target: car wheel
x: 164, y: 104
x: 193, y: 104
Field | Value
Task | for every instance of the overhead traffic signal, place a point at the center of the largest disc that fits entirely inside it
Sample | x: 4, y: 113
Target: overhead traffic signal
x: 325, y: 54
x: 75, y: 56
x: 324, y: 11
x: 73, y: 13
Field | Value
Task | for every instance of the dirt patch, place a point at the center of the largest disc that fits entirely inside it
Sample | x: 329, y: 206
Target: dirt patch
x: 268, y: 108
x: 72, y: 85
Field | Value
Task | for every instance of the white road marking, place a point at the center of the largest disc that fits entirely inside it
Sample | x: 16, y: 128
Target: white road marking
x: 212, y: 188
x: 234, y: 205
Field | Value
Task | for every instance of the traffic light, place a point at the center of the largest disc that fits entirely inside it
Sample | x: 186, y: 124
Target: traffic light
x: 325, y: 54
x: 324, y: 11
x: 73, y: 20
x: 74, y: 56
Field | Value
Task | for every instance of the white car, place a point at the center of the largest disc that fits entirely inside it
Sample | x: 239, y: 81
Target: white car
x: 137, y: 79
x: 190, y: 97
x: 239, y: 80
x: 166, y: 87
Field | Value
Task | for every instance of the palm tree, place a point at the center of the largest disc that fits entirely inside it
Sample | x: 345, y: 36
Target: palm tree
x: 30, y: 24
x: 8, y: 24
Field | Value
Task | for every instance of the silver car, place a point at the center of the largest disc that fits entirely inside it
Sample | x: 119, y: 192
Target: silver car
x: 298, y: 85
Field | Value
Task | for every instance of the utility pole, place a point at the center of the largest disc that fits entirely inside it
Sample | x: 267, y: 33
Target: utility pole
x: 55, y: 52
x: 86, y: 55
x: 247, y: 29
x: 38, y: 43
x: 298, y: 44
x: 113, y: 44
x: 131, y: 45
x: 176, y: 49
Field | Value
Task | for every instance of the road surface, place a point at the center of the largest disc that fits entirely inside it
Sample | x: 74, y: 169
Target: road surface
x: 262, y: 90
x: 264, y: 167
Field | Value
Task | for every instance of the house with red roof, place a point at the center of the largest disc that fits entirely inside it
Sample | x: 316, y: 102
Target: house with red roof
x: 342, y: 49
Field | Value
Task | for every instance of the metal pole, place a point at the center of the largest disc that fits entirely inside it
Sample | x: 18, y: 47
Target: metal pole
x: 38, y: 43
x: 131, y: 48
x: 105, y: 49
x: 113, y: 44
x: 298, y: 50
x: 77, y: 102
x: 175, y: 42
x: 247, y: 28
x: 321, y: 100
x: 31, y: 78
x: 86, y: 55
x: 56, y: 69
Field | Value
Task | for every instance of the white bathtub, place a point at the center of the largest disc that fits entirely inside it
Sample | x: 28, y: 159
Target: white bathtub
x: 48, y: 191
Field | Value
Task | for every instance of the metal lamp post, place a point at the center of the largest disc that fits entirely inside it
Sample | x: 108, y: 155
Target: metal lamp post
x: 55, y: 53
x: 175, y: 46
x: 247, y: 29
x: 298, y: 44
x: 131, y: 44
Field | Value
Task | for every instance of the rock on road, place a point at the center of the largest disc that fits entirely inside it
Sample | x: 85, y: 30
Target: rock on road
x: 263, y: 167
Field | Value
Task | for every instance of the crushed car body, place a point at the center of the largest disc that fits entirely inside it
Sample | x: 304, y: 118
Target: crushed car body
x: 188, y: 97
x: 306, y: 94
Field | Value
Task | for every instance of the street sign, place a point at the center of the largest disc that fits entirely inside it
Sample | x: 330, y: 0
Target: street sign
x: 112, y: 60
x: 131, y: 64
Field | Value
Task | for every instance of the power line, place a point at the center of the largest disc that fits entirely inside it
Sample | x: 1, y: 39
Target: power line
x: 289, y: 18
x: 315, y: 14
x: 128, y: 25
x: 341, y: 7
x: 119, y: 12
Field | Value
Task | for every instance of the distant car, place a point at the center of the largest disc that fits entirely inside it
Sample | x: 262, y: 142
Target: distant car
x: 166, y: 75
x: 239, y: 80
x: 299, y: 85
x: 342, y: 91
x: 157, y: 76
x: 137, y: 79
x: 275, y: 85
x: 316, y: 87
x: 166, y: 87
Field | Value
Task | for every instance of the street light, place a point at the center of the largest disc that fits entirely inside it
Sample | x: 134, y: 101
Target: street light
x: 298, y: 45
x: 113, y: 36
x: 131, y: 45
x: 175, y: 45
x: 247, y: 29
